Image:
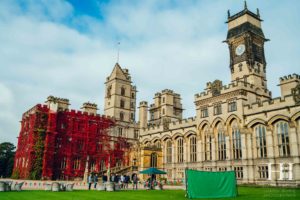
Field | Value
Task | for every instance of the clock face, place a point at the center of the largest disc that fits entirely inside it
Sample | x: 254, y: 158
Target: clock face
x: 240, y: 49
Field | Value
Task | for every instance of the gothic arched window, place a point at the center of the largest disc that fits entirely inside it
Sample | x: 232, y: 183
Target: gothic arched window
x: 169, y: 151
x: 236, y: 141
x: 63, y: 163
x: 102, y: 165
x: 283, y: 138
x: 153, y: 161
x: 76, y: 163
x: 261, y: 145
x: 207, y: 144
x: 180, y: 150
x: 157, y: 144
x: 193, y: 149
x: 221, y: 142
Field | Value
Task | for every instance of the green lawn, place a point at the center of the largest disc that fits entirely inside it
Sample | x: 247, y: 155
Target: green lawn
x: 249, y: 193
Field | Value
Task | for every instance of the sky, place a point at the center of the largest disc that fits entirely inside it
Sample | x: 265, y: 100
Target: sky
x: 68, y: 48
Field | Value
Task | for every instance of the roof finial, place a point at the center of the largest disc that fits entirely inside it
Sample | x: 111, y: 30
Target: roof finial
x: 245, y: 5
x: 257, y: 12
x: 228, y: 13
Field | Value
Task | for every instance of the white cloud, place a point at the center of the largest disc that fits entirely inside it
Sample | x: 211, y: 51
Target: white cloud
x: 7, y: 114
x: 48, y: 49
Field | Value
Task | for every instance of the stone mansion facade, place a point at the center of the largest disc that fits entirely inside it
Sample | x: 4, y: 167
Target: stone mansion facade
x: 238, y: 126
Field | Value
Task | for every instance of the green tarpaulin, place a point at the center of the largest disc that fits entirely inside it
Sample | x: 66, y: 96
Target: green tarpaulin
x: 203, y: 184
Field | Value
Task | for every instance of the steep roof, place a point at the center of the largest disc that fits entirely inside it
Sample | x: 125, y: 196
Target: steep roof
x: 118, y: 73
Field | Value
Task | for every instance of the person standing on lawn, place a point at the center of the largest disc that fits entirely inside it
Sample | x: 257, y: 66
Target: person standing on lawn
x: 90, y: 181
x: 104, y: 178
x: 95, y: 180
x: 134, y: 181
x: 122, y: 180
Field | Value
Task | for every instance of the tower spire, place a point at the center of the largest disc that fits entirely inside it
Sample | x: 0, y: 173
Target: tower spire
x: 228, y: 14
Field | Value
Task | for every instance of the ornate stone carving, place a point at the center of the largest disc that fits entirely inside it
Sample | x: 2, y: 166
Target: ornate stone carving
x: 216, y: 87
x: 296, y: 93
x: 166, y: 123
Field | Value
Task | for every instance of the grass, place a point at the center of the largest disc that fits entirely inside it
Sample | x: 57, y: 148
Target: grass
x: 245, y: 193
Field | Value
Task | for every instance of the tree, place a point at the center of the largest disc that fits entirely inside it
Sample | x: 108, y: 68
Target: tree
x: 7, y: 155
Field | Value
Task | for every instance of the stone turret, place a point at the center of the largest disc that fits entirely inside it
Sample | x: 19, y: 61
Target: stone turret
x: 143, y: 114
x: 56, y: 104
x: 90, y: 108
x: 167, y: 107
x: 287, y: 83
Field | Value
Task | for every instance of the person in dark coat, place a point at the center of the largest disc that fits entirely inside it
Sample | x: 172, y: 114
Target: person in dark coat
x: 104, y: 178
x: 116, y: 179
x: 127, y: 178
x: 134, y: 181
x: 95, y: 180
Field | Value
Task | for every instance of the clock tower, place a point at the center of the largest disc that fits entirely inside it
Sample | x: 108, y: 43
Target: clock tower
x: 245, y: 40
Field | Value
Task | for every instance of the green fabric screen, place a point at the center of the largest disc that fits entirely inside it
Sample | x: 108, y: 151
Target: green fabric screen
x: 204, y: 184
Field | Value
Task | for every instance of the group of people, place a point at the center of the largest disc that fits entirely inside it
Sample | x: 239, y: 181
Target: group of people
x: 92, y: 179
x: 151, y: 182
x: 123, y: 180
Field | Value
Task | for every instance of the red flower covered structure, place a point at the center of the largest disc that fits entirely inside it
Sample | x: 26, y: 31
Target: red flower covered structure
x: 62, y: 144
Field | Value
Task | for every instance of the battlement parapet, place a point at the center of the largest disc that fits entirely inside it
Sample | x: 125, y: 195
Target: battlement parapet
x: 229, y: 88
x: 182, y: 123
x: 157, y: 94
x: 90, y: 108
x: 151, y: 128
x: 58, y: 100
x: 289, y: 77
x: 38, y: 107
x: 271, y: 104
x: 144, y: 103
x: 166, y: 91
x: 89, y: 105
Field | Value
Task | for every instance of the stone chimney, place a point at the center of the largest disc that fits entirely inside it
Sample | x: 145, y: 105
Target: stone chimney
x: 90, y: 108
x: 143, y: 114
x: 57, y: 104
